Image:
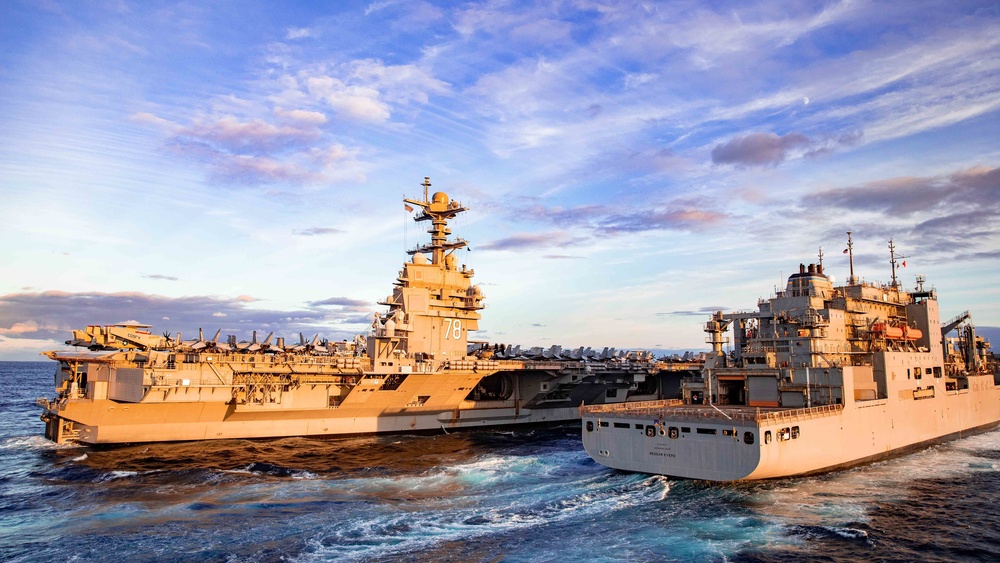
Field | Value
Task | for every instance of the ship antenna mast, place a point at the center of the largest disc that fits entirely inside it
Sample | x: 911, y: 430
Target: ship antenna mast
x: 892, y: 262
x: 438, y: 212
x: 821, y: 258
x: 852, y: 280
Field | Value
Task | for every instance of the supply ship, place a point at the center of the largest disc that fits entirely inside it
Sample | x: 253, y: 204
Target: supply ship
x: 415, y: 371
x: 819, y: 378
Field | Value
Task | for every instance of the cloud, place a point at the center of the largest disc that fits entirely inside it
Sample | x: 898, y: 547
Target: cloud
x: 316, y: 231
x: 700, y: 312
x: 30, y: 327
x: 671, y: 218
x: 680, y: 214
x: 758, y: 149
x: 532, y: 240
x: 356, y: 102
x: 559, y: 215
x: 368, y: 90
x: 340, y: 302
x: 51, y: 315
x: 315, y: 118
x: 160, y: 277
x: 255, y: 135
x: 964, y: 192
x: 298, y: 33
x: 248, y: 169
x: 769, y: 149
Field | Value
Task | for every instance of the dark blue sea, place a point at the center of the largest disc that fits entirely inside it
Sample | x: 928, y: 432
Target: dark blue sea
x: 521, y: 496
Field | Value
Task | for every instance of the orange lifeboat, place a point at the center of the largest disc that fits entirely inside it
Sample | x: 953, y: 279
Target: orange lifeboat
x: 912, y: 333
x: 893, y: 332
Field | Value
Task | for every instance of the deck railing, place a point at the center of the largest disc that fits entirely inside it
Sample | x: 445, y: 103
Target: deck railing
x: 676, y: 409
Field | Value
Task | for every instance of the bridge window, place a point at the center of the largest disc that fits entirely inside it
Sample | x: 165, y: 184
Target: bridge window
x: 767, y: 437
x: 748, y: 438
x: 611, y: 393
x: 712, y: 431
x: 795, y: 432
x: 604, y: 424
x: 621, y: 425
x: 590, y: 426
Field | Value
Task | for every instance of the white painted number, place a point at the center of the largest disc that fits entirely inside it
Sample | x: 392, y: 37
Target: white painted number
x: 454, y: 329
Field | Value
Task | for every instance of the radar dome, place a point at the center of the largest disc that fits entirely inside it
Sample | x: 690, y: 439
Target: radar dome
x: 439, y: 197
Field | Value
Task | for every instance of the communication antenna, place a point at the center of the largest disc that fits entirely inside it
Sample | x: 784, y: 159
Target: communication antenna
x: 852, y: 280
x: 892, y: 261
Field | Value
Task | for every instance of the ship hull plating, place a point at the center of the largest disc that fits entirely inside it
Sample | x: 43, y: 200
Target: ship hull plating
x: 210, y: 422
x: 715, y: 448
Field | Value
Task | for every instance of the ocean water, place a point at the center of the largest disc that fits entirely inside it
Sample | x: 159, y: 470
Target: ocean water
x: 518, y: 496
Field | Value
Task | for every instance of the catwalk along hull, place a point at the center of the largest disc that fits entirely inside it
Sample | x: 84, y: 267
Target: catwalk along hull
x: 416, y: 370
x: 821, y: 378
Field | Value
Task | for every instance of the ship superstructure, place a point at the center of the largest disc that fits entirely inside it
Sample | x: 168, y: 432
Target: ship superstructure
x: 416, y: 370
x: 819, y: 378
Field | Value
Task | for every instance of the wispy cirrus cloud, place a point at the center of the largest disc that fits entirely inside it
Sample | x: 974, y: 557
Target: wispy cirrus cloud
x: 699, y: 312
x: 255, y: 135
x: 366, y: 89
x: 318, y: 231
x: 341, y: 302
x: 522, y: 241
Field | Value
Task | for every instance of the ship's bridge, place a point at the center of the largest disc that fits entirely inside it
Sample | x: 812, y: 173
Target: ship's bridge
x: 809, y: 282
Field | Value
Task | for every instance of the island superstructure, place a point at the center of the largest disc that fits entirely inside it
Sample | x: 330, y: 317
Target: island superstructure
x: 819, y: 378
x: 416, y: 370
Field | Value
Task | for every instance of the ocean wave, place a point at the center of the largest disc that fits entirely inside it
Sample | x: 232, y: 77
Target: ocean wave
x: 34, y: 442
x: 271, y: 470
x: 486, y: 510
x: 114, y: 476
x: 818, y: 532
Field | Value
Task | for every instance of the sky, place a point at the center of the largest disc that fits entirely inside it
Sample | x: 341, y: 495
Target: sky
x: 630, y: 167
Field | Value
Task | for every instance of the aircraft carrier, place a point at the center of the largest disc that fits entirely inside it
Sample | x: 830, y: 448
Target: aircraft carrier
x: 416, y: 370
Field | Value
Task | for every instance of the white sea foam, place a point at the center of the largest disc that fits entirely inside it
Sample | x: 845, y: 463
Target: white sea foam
x: 114, y: 476
x: 34, y: 442
x: 532, y: 500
